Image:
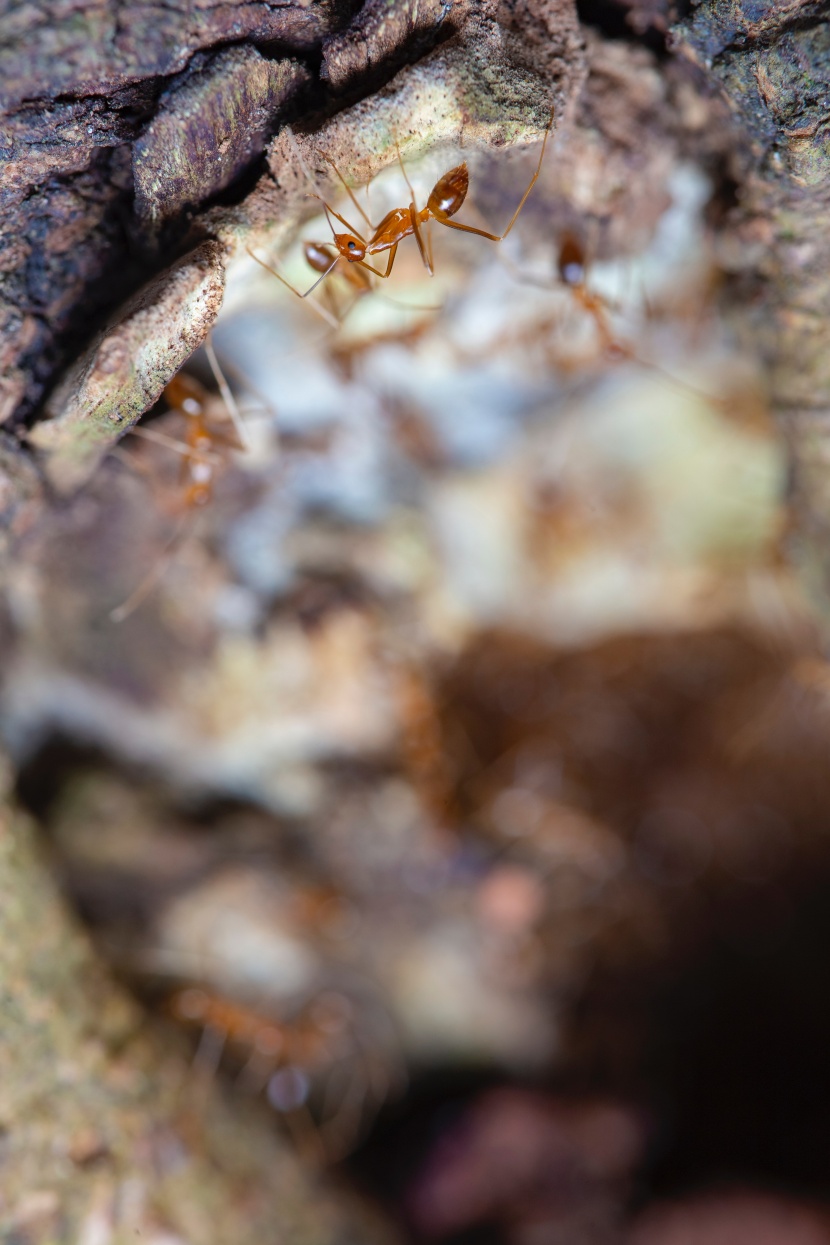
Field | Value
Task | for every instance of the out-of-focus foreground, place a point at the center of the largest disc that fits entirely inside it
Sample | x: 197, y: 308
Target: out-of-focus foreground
x: 447, y: 765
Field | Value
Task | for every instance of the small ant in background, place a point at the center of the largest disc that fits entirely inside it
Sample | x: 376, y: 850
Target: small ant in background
x: 316, y: 1068
x: 204, y: 449
x: 445, y: 200
x: 572, y: 265
x: 607, y: 346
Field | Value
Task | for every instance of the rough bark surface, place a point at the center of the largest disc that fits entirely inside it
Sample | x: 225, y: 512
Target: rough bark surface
x: 80, y: 82
x: 772, y: 64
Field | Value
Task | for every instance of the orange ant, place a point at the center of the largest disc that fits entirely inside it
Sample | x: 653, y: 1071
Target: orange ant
x: 572, y: 265
x: 572, y: 272
x: 572, y: 268
x: 203, y: 450
x: 204, y: 446
x: 445, y: 200
x: 316, y: 1054
x: 201, y: 442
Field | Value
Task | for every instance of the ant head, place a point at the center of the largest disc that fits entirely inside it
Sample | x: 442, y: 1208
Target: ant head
x: 449, y: 192
x: 572, y: 260
x: 350, y: 247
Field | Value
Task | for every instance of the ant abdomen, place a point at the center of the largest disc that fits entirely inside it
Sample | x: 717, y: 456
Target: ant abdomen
x: 449, y: 192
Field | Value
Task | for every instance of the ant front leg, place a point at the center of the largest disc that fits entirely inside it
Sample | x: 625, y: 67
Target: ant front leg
x: 287, y: 283
x: 393, y: 250
x: 331, y: 320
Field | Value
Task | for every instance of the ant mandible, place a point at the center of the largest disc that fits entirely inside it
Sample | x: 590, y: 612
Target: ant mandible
x: 445, y: 200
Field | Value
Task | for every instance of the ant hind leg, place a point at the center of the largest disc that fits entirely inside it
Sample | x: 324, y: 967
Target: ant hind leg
x: 227, y: 396
x: 443, y: 219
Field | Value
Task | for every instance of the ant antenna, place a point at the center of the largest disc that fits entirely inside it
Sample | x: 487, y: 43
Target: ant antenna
x: 331, y: 320
x: 347, y: 188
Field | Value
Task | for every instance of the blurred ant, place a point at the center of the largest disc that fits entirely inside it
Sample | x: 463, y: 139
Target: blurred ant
x: 445, y: 200
x: 572, y: 265
x: 572, y: 268
x: 423, y: 746
x: 202, y: 445
x: 318, y: 1054
x: 572, y: 272
x: 204, y: 449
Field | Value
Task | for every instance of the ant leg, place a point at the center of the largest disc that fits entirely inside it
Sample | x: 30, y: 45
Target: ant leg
x: 227, y: 396
x: 597, y: 309
x: 403, y: 170
x: 427, y: 258
x: 393, y: 250
x: 443, y: 219
x: 347, y: 189
x: 252, y: 389
x: 177, y: 447
x: 320, y: 310
x: 315, y: 193
x: 413, y: 215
